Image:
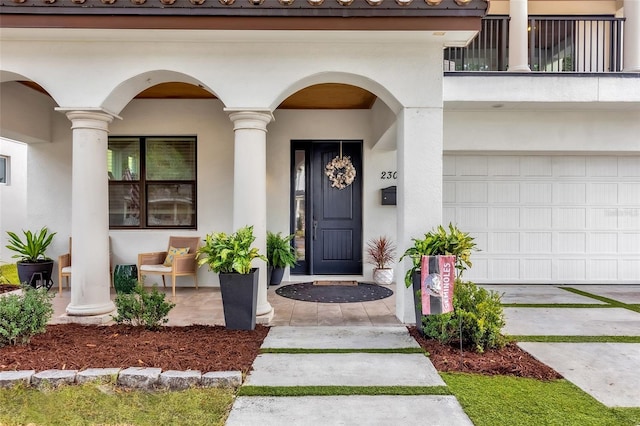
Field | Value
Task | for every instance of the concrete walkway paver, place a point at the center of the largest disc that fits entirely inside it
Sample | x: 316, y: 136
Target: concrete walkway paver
x: 622, y: 293
x: 610, y: 372
x: 539, y: 294
x: 344, y: 369
x: 353, y: 410
x: 572, y: 322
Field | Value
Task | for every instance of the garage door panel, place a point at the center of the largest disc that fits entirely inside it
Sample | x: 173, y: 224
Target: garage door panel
x: 570, y: 193
x: 536, y: 218
x: 603, y: 242
x: 501, y: 192
x: 569, y: 166
x: 630, y: 270
x: 569, y: 218
x: 536, y: 242
x: 572, y: 270
x: 537, y: 193
x: 504, y: 217
x: 602, y: 193
x: 537, y: 269
x: 548, y: 218
x: 603, y: 269
x: 605, y: 166
x: 507, y: 165
x: 629, y: 166
x: 505, y: 269
x: 536, y: 166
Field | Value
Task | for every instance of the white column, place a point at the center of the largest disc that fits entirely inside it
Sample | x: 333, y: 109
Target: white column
x: 419, y: 200
x: 518, y: 36
x: 250, y: 188
x: 90, y: 277
x: 632, y: 36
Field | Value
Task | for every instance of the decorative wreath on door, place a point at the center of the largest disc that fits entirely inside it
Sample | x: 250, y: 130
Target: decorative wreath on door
x: 340, y: 171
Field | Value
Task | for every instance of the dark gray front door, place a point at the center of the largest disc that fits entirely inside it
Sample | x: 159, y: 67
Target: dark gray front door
x: 336, y: 214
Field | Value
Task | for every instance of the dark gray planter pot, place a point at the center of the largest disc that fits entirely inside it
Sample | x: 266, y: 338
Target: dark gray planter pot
x: 276, y: 276
x: 240, y: 299
x: 125, y: 278
x: 26, y: 271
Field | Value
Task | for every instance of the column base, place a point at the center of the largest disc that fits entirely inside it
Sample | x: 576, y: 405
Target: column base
x: 90, y: 310
x: 86, y: 320
x: 265, y: 319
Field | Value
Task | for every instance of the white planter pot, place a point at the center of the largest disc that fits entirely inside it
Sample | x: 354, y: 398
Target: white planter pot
x: 383, y: 276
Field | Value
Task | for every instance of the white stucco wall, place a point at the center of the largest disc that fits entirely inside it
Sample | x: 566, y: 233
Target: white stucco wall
x: 542, y: 131
x: 13, y: 194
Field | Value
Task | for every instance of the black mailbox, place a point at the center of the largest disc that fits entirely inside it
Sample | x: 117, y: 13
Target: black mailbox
x: 389, y: 196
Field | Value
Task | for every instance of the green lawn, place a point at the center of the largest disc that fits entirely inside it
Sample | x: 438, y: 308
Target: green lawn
x: 505, y: 400
x: 106, y: 404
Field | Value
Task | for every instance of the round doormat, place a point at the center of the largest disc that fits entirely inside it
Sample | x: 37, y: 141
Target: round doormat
x: 308, y: 292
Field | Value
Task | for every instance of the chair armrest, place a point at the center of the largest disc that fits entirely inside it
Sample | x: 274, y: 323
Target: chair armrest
x: 154, y: 258
x: 64, y: 260
x: 185, y: 263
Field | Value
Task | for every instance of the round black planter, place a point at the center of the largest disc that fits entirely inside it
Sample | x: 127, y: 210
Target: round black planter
x: 276, y: 276
x: 36, y: 274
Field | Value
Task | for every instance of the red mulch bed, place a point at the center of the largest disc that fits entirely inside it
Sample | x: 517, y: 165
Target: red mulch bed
x: 214, y: 348
x: 510, y: 360
x: 77, y: 347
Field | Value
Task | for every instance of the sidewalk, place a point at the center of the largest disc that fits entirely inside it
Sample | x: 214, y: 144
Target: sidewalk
x: 344, y: 369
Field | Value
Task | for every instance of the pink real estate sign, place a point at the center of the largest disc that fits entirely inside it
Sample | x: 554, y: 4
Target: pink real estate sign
x: 437, y: 277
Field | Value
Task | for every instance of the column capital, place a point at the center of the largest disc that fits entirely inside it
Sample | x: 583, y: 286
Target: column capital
x: 250, y: 119
x: 88, y: 118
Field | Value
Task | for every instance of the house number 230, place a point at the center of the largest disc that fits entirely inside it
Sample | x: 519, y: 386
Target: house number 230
x: 388, y: 175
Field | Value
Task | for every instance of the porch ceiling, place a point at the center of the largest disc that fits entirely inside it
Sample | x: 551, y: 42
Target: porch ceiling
x: 320, y: 96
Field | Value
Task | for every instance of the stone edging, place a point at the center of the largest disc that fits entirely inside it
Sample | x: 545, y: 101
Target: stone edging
x: 133, y: 377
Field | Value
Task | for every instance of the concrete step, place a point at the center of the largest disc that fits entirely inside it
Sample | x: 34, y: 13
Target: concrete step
x: 365, y: 337
x: 346, y: 369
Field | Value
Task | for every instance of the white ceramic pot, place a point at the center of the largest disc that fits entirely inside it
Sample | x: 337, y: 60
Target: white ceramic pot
x: 383, y: 276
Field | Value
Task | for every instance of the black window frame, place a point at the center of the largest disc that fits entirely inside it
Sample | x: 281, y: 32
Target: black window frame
x: 144, y: 183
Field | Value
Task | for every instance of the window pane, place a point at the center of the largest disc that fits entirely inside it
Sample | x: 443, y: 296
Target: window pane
x: 171, y: 205
x: 171, y: 159
x: 3, y: 170
x: 123, y: 159
x: 124, y: 205
x: 300, y: 204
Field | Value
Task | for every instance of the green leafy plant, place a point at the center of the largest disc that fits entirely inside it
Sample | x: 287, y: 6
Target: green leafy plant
x: 141, y: 307
x: 280, y: 252
x: 25, y: 315
x: 9, y: 274
x: 440, y: 242
x: 34, y: 246
x: 477, y: 319
x: 228, y: 253
x: 380, y: 252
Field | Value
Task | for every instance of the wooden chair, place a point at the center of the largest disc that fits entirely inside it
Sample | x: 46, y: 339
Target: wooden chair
x: 181, y: 264
x: 64, y: 266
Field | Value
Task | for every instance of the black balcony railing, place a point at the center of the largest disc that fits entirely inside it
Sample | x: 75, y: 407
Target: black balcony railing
x: 588, y: 44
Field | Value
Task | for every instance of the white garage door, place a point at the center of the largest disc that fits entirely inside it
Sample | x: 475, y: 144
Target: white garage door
x: 547, y: 218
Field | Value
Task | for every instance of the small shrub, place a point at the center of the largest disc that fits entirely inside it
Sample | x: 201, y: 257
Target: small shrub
x: 23, y: 316
x: 142, y: 308
x: 482, y: 319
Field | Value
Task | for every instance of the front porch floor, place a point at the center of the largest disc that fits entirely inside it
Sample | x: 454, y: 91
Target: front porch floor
x: 204, y: 306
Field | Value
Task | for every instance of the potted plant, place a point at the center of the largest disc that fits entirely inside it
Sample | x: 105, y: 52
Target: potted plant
x: 230, y: 256
x: 438, y: 242
x: 32, y: 254
x: 380, y: 253
x: 280, y: 254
